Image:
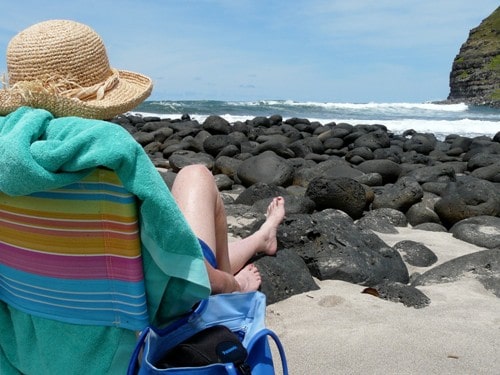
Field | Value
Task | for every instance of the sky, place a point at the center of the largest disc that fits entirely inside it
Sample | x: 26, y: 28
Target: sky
x: 245, y: 50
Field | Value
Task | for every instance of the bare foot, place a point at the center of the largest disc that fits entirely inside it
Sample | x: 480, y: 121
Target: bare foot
x: 248, y: 278
x: 274, y: 217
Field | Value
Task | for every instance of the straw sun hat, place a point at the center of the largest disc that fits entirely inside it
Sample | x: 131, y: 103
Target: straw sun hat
x: 62, y: 66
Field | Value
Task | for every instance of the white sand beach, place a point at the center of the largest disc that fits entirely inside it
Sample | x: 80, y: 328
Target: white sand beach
x: 340, y: 330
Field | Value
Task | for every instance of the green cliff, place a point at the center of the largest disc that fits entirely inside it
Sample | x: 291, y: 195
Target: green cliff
x: 475, y: 74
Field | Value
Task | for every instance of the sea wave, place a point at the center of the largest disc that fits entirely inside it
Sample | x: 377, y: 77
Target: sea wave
x: 310, y: 109
x: 397, y: 117
x: 440, y: 128
x: 456, y: 107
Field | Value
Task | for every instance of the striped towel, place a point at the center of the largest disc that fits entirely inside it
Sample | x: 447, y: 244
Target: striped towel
x: 40, y: 153
x: 74, y: 253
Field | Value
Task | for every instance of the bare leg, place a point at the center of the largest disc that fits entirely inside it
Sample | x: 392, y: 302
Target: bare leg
x: 198, y: 198
x: 264, y: 240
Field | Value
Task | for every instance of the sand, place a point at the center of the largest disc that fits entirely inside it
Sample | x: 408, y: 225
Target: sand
x: 339, y: 330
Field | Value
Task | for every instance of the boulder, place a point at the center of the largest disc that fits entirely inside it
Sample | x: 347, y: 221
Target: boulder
x: 438, y: 173
x: 162, y: 133
x: 214, y: 144
x: 490, y: 172
x: 341, y: 193
x: 423, y: 212
x: 296, y: 121
x: 421, y: 143
x: 382, y: 220
x: 260, y: 121
x: 415, y: 253
x: 388, y: 169
x: 216, y: 125
x: 229, y: 150
x: 185, y: 128
x: 180, y: 159
x: 467, y: 197
x: 314, y: 143
x: 398, y: 292
x: 393, y: 153
x: 333, y: 168
x: 483, y: 231
x: 284, y: 275
x: 369, y: 179
x: 333, y: 143
x: 259, y: 191
x: 400, y: 196
x: 482, y: 159
x: 334, y: 248
x: 293, y: 204
x: 481, y: 145
x: 143, y: 138
x: 227, y: 165
x: 373, y: 140
x: 483, y: 266
x: 359, y: 155
x: 223, y: 182
x: 279, y: 148
x: 461, y: 144
x: 266, y: 167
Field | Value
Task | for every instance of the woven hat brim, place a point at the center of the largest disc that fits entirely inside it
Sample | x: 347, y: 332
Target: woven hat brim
x: 131, y: 90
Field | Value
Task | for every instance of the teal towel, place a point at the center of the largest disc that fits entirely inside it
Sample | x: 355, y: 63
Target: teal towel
x: 39, y: 152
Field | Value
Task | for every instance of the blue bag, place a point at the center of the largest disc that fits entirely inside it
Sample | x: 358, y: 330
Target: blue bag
x: 242, y: 313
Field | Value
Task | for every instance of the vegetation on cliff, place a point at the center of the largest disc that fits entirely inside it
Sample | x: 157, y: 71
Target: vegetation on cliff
x: 475, y: 74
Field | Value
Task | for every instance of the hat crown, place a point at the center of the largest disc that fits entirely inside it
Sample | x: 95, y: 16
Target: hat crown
x: 62, y: 66
x: 58, y: 51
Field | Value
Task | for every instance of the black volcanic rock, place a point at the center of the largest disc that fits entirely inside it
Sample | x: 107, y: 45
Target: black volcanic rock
x: 334, y: 248
x: 284, y: 275
x: 406, y: 294
x: 467, y: 197
x: 266, y: 167
x: 432, y: 185
x: 482, y: 265
x: 341, y: 193
x: 415, y: 253
x: 481, y: 231
x: 400, y: 196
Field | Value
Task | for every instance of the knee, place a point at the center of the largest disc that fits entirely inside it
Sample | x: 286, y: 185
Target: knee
x: 196, y: 172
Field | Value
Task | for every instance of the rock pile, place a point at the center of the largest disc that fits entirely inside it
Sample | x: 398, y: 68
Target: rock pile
x: 342, y: 183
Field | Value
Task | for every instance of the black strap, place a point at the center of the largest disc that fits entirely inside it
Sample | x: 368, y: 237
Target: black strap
x: 244, y: 368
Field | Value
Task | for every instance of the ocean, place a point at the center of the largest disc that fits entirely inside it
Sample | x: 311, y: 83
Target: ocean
x: 439, y: 119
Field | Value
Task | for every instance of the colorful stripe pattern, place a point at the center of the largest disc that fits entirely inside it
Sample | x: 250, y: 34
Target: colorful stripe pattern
x: 73, y: 254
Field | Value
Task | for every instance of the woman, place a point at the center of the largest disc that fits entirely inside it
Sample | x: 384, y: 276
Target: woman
x: 60, y: 86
